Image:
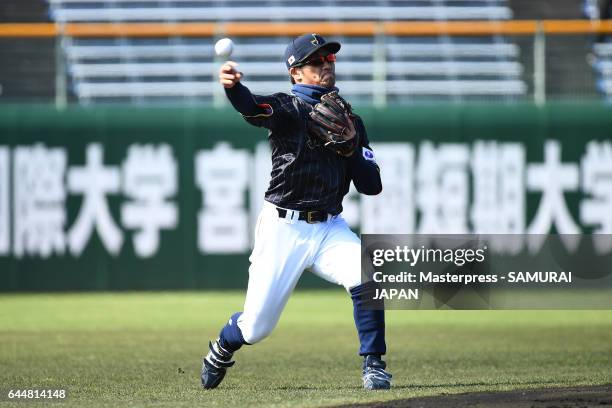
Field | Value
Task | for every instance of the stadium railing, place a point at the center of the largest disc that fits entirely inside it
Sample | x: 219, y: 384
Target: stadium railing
x: 386, y: 86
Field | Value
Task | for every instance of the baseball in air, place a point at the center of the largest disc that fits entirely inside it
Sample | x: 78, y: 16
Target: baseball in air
x: 224, y: 47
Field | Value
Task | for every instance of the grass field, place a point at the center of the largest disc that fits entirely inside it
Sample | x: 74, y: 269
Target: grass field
x: 145, y: 349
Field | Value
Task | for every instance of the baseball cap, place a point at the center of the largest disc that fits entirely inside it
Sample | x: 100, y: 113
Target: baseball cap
x: 304, y: 46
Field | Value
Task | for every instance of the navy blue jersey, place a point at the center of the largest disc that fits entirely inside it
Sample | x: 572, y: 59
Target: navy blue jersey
x: 305, y: 175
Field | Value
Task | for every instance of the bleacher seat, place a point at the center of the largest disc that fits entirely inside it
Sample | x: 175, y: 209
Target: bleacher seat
x: 603, y: 67
x: 212, y: 10
x: 413, y: 68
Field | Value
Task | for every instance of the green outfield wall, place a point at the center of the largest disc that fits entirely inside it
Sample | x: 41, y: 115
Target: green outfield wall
x: 128, y: 198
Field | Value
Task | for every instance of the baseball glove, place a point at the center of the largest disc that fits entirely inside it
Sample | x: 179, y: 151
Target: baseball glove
x: 332, y: 124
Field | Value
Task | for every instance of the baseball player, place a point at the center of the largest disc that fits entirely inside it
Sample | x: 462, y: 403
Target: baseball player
x: 318, y: 147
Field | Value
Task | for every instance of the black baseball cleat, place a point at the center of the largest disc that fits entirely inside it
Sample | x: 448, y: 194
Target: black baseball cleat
x: 215, y: 365
x: 374, y: 375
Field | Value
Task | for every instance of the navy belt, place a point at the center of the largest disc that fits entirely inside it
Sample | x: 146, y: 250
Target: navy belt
x: 309, y: 216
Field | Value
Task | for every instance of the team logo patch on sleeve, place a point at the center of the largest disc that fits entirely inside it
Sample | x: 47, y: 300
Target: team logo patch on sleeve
x: 368, y: 155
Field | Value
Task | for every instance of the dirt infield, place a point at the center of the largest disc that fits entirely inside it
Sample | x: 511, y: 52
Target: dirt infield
x: 573, y: 397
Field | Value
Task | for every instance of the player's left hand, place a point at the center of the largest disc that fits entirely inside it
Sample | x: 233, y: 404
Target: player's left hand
x: 332, y: 124
x: 350, y: 131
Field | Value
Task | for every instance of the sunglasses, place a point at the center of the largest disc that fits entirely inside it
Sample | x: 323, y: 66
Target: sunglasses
x: 318, y: 61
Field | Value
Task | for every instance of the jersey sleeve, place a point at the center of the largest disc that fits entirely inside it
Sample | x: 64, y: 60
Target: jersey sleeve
x: 364, y: 143
x: 272, y: 111
x: 363, y: 168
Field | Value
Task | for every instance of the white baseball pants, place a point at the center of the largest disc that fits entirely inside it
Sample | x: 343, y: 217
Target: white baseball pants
x: 284, y: 248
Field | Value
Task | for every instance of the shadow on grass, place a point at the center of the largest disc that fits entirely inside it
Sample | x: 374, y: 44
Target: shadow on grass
x: 544, y: 397
x: 298, y: 387
x: 478, y: 384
